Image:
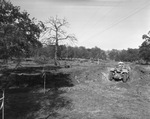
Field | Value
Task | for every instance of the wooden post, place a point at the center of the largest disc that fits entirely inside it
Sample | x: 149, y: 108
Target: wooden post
x: 3, y: 114
x: 44, y: 82
x: 44, y: 76
x: 2, y: 104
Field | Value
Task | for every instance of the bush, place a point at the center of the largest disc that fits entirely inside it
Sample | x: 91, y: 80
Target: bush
x: 43, y: 60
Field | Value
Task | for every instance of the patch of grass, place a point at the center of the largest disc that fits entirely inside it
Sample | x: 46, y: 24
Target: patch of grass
x: 120, y: 117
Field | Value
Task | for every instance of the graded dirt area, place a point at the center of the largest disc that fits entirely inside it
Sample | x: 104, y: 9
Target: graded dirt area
x: 93, y: 96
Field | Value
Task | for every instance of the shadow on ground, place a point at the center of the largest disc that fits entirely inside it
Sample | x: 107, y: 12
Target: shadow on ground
x: 25, y: 104
x: 25, y: 98
x: 33, y: 76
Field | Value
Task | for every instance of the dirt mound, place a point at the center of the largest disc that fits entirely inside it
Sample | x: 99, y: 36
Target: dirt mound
x: 140, y: 76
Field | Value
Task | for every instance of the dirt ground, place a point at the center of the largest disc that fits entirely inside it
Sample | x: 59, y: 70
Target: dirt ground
x: 92, y: 95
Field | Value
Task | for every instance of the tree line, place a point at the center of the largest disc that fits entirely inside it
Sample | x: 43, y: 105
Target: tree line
x: 69, y: 52
x: 128, y: 55
x: 20, y: 34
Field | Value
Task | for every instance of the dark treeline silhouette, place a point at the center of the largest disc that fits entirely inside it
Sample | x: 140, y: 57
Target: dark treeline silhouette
x: 69, y: 52
x: 140, y: 55
x: 128, y: 55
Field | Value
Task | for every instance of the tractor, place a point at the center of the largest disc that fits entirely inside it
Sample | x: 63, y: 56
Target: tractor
x: 120, y: 73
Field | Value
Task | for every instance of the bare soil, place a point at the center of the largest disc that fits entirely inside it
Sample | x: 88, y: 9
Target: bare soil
x: 92, y: 96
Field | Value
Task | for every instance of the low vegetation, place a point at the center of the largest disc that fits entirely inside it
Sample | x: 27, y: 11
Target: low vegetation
x: 80, y: 91
x: 63, y: 82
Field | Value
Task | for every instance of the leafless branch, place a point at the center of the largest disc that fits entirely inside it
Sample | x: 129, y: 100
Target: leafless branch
x: 69, y: 37
x: 54, y: 26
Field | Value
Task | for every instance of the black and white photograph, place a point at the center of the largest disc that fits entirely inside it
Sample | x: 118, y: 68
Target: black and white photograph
x: 74, y: 59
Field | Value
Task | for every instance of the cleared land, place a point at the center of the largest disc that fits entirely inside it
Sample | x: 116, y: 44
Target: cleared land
x: 83, y: 91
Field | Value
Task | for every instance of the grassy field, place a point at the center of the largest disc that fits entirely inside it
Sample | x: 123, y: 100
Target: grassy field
x: 82, y: 91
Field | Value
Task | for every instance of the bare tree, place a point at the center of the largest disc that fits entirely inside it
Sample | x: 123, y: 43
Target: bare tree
x: 55, y: 32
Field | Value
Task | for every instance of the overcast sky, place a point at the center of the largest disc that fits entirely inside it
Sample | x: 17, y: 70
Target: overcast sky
x: 107, y: 24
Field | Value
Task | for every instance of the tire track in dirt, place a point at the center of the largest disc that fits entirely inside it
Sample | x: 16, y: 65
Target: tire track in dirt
x: 95, y: 97
x: 98, y: 97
